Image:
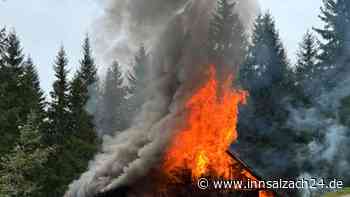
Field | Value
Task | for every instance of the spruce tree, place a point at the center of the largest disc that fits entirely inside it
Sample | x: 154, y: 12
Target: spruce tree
x: 33, y: 94
x: 3, y: 41
x: 336, y: 17
x: 81, y: 143
x: 140, y: 70
x: 11, y: 88
x: 81, y: 121
x: 88, y: 75
x: 112, y: 117
x: 77, y: 101
x: 138, y: 81
x: 61, y: 165
x: 13, y: 56
x: 227, y: 42
x: 21, y: 168
x: 58, y: 110
x: 269, y: 79
x: 306, y: 67
x: 266, y: 64
x: 88, y: 70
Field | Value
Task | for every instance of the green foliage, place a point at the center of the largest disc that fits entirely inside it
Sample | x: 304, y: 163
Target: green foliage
x: 341, y: 193
x: 3, y: 40
x: 88, y: 70
x: 88, y: 75
x: 58, y: 109
x: 270, y: 81
x: 266, y: 64
x: 12, y: 109
x: 20, y: 169
x: 306, y: 67
x: 33, y: 95
x: 336, y: 17
x: 73, y: 129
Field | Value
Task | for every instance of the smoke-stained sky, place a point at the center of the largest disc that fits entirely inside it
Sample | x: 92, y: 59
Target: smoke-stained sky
x: 44, y: 24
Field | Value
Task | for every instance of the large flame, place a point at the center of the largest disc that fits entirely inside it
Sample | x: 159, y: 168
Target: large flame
x: 211, y: 128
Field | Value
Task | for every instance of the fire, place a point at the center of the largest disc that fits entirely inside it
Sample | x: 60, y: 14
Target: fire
x: 211, y: 128
x: 266, y: 194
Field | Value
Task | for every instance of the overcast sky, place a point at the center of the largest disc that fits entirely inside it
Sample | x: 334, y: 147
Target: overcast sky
x: 43, y: 25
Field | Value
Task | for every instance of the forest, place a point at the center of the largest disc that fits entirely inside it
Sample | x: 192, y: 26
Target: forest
x: 297, y: 116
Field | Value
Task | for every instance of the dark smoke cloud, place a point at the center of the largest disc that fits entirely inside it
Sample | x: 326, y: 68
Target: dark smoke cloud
x: 175, y: 32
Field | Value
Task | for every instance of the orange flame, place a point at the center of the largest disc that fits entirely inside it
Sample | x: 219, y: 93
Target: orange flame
x: 211, y: 128
x: 266, y: 194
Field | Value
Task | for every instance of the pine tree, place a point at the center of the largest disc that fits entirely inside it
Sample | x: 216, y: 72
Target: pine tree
x: 269, y: 79
x: 336, y: 16
x: 13, y: 56
x: 11, y: 88
x: 58, y: 111
x: 88, y: 74
x: 140, y: 70
x: 138, y: 81
x: 3, y: 41
x: 266, y: 64
x: 77, y: 101
x: 112, y: 117
x: 81, y: 143
x: 88, y: 68
x: 83, y: 85
x: 306, y: 67
x: 81, y: 122
x: 22, y: 167
x: 33, y: 94
x: 227, y: 42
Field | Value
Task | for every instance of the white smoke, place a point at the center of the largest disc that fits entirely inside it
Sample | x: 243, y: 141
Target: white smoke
x: 163, y: 25
x: 327, y: 153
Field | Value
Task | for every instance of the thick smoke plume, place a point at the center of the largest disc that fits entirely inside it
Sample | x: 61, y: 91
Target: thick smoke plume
x: 176, y: 33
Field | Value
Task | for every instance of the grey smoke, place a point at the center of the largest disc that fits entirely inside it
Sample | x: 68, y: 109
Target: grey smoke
x: 176, y: 32
x: 327, y: 154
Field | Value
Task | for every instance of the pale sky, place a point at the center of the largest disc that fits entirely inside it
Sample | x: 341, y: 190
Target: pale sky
x: 43, y: 25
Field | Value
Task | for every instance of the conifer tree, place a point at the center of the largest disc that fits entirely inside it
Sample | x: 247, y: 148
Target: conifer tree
x: 21, y: 168
x: 77, y: 101
x: 11, y: 88
x: 306, y: 67
x: 88, y: 75
x: 88, y: 68
x: 227, y: 42
x: 336, y: 17
x: 266, y: 64
x: 33, y: 94
x: 81, y: 121
x: 140, y: 70
x: 82, y: 86
x: 13, y: 56
x: 3, y: 41
x: 269, y: 79
x: 81, y: 142
x: 112, y: 117
x: 138, y: 81
x: 58, y: 111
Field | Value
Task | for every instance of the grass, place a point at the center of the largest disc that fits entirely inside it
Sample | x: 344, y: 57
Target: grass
x: 339, y: 193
